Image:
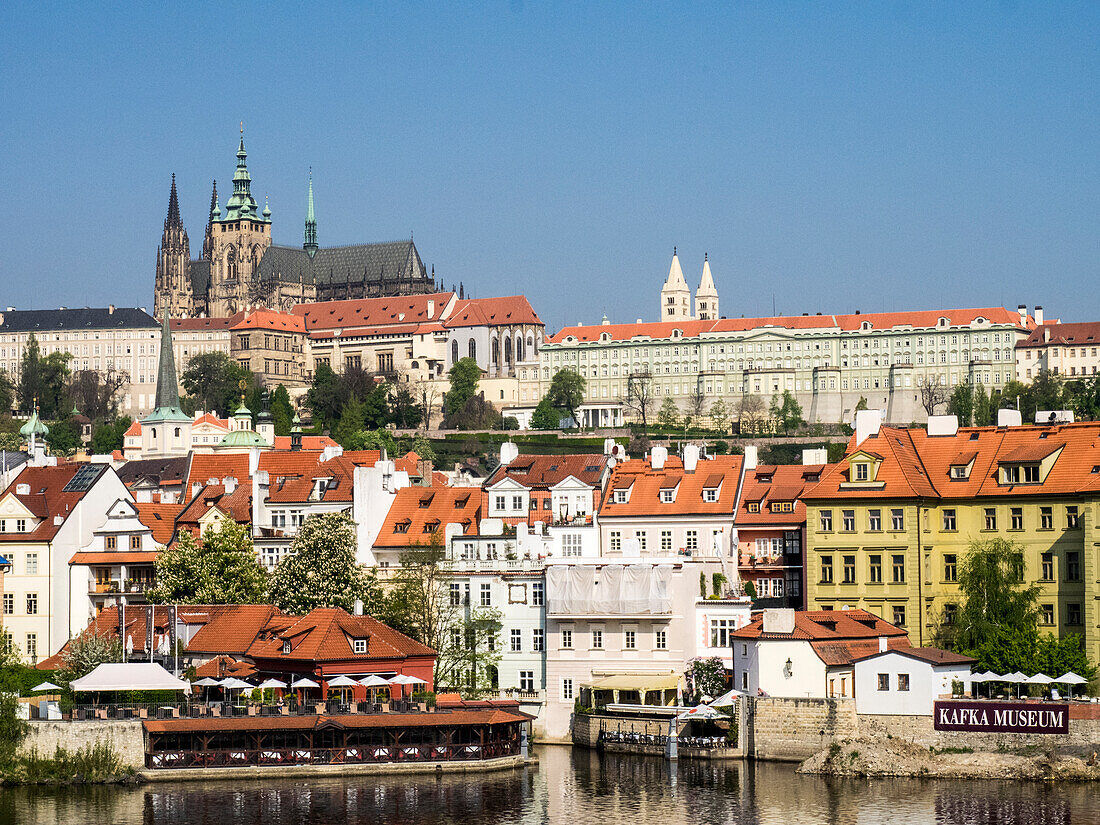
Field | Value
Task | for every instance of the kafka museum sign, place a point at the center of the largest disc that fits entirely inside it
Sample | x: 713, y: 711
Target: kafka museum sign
x: 1001, y: 717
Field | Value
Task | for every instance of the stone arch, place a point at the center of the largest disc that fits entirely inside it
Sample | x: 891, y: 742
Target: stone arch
x: 508, y: 350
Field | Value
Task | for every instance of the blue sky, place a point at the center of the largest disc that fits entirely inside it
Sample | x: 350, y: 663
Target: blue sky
x: 829, y: 157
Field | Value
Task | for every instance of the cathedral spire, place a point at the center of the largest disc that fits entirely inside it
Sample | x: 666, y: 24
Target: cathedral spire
x: 310, y: 244
x: 241, y: 204
x: 173, y: 219
x: 215, y: 210
x: 168, y: 396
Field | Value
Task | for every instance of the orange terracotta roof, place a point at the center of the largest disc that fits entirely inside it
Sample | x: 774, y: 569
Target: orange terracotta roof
x: 1079, y: 334
x: 767, y: 484
x: 269, y: 319
x: 47, y: 498
x: 417, y: 512
x: 292, y: 479
x: 309, y: 442
x: 227, y: 628
x: 115, y: 557
x: 646, y: 483
x: 827, y: 625
x: 212, y: 420
x: 222, y: 666
x: 541, y: 472
x: 840, y: 654
x: 205, y: 466
x: 134, y: 429
x: 326, y: 634
x: 160, y: 519
x: 237, y: 505
x: 477, y: 312
x: 372, y: 312
x: 203, y: 323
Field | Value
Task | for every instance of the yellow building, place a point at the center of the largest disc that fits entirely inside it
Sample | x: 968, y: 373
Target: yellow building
x: 888, y: 527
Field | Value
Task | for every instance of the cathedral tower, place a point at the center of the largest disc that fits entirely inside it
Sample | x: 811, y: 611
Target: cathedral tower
x: 172, y: 290
x: 310, y: 244
x: 675, y: 294
x: 706, y: 297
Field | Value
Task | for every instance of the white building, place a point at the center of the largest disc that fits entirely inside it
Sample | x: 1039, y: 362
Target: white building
x: 905, y: 682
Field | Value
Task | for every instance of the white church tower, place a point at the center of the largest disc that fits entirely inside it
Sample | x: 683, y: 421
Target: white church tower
x: 675, y: 294
x: 706, y: 297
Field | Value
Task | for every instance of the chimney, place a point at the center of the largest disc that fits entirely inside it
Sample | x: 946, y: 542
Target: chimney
x: 110, y: 309
x: 424, y: 471
x: 882, y: 644
x: 508, y: 453
x: 358, y: 607
x: 22, y: 489
x: 431, y: 310
x: 943, y: 425
x: 230, y: 484
x: 818, y: 456
x: 752, y: 457
x: 1022, y: 309
x: 867, y: 424
x: 195, y: 489
x: 779, y: 620
x: 1009, y: 418
x: 691, y: 457
x: 657, y: 457
x: 1039, y: 315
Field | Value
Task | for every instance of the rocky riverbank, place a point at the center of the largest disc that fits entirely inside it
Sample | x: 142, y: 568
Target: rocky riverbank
x: 896, y: 757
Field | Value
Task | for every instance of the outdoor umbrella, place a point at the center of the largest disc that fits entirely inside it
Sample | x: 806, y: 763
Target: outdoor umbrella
x: 233, y: 683
x: 342, y: 682
x: 206, y: 682
x: 401, y: 679
x: 727, y: 699
x: 1016, y: 678
x: 1071, y: 679
x: 303, y: 682
x: 699, y: 712
x: 44, y: 686
x: 372, y: 683
x: 1038, y: 679
x: 271, y: 683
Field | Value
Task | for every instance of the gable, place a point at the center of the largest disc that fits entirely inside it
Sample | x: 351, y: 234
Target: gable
x: 12, y: 507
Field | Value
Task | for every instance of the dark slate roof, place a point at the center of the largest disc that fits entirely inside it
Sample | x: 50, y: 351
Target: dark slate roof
x: 33, y: 320
x: 200, y: 277
x: 397, y: 260
x: 157, y: 470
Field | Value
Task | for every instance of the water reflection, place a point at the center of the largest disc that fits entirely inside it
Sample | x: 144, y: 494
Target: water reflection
x: 575, y: 788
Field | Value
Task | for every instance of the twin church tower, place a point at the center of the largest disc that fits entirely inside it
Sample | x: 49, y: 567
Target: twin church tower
x: 240, y: 267
x: 676, y: 295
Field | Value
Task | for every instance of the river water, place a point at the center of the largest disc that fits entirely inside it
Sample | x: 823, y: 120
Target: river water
x: 570, y: 787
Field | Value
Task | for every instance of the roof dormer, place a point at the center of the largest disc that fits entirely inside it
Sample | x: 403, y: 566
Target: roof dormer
x: 863, y: 467
x: 668, y: 490
x: 620, y: 493
x: 1028, y: 464
x: 962, y: 465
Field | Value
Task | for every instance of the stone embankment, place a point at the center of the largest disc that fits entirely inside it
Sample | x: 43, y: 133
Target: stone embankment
x: 896, y: 757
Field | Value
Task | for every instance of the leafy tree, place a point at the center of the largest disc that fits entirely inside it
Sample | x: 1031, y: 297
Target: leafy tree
x: 352, y: 420
x: 985, y: 407
x: 372, y: 440
x: 464, y: 376
x: 43, y: 378
x: 321, y: 569
x: 861, y: 404
x: 64, y: 437
x: 213, y: 380
x: 476, y: 414
x: 7, y: 393
x: 720, y: 415
x: 86, y: 652
x: 961, y: 404
x: 97, y: 393
x: 567, y: 391
x: 423, y: 448
x: 12, y: 727
x: 786, y: 411
x: 404, y: 412
x: 639, y: 396
x: 545, y: 416
x: 668, y: 416
x: 221, y: 568
x: 324, y: 395
x: 109, y: 436
x: 282, y: 411
x: 707, y: 677
x: 697, y: 401
x: 1047, y: 392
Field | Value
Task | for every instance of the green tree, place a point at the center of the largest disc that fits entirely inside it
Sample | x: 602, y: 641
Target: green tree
x: 545, y: 416
x: 213, y: 381
x: 109, y: 436
x: 423, y: 448
x: 404, y: 411
x: 707, y: 677
x: 321, y: 570
x: 85, y: 653
x: 464, y: 376
x: 221, y: 568
x: 324, y: 395
x: 352, y: 420
x: 567, y: 391
x: 668, y: 416
x: 1047, y: 392
x: 961, y: 404
x: 43, y: 379
x: 720, y: 415
x: 371, y: 440
x: 861, y: 404
x: 790, y: 412
x: 750, y: 413
x: 63, y: 437
x: 985, y: 407
x: 282, y: 411
x: 7, y: 393
x: 476, y: 414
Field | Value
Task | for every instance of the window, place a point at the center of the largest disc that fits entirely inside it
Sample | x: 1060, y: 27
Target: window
x: 874, y: 519
x: 597, y: 640
x: 527, y: 680
x: 666, y: 541
x: 950, y: 613
x: 950, y: 567
x: 640, y: 536
x: 949, y: 520
x: 848, y: 517
x: 898, y: 567
x: 825, y: 519
x: 516, y: 640
x: 567, y: 640
x: 662, y: 639
x: 498, y: 502
x: 21, y: 525
x: 1073, y: 566
x: 863, y: 470
x: 1046, y: 518
x: 1017, y: 515
x: 32, y: 646
x: 456, y: 594
x: 710, y: 494
x: 884, y: 681
x: 849, y: 569
x: 567, y: 689
x: 486, y: 595
x: 621, y: 496
x: 616, y: 541
x: 32, y: 564
x: 517, y: 502
x: 1071, y: 516
x: 32, y: 604
x: 538, y: 593
x: 874, y: 565
x: 897, y: 519
x: 9, y: 604
x: 899, y: 615
x: 754, y: 507
x: 826, y: 569
x: 111, y: 542
x: 630, y: 640
x: 903, y: 681
x: 571, y: 544
x: 1047, y: 613
x: 359, y: 645
x: 538, y: 638
x: 1046, y: 567
x: 691, y: 540
x: 1073, y: 614
x: 744, y: 680
x: 721, y: 631
x: 1021, y: 474
x: 990, y: 518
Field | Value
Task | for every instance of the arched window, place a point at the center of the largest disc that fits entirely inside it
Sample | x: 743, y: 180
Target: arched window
x: 231, y: 263
x: 454, y: 350
x: 473, y: 349
x: 508, y: 351
x: 494, y: 352
x: 519, y: 348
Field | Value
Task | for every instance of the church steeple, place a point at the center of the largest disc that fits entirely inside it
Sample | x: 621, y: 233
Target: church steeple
x: 310, y: 244
x: 172, y: 288
x: 173, y: 220
x: 241, y: 204
x: 168, y: 396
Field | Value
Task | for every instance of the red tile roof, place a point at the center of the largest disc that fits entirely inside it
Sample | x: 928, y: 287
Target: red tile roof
x: 237, y: 505
x: 1082, y: 334
x: 46, y: 499
x: 160, y: 519
x: 827, y: 626
x: 932, y: 655
x: 478, y: 312
x: 409, y: 310
x: 646, y: 483
x: 115, y: 557
x: 268, y: 319
x: 205, y: 466
x: 541, y: 472
x: 417, y: 512
x: 766, y: 485
x: 326, y: 634
x: 226, y: 628
x: 309, y: 442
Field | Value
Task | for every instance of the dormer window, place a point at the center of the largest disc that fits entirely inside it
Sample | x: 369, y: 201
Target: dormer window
x: 402, y: 526
x: 359, y: 645
x: 782, y: 506
x: 1020, y: 474
x: 286, y: 648
x: 710, y: 494
x: 960, y: 470
x: 861, y: 471
x: 431, y: 526
x: 754, y: 507
x: 668, y: 496
x: 622, y: 496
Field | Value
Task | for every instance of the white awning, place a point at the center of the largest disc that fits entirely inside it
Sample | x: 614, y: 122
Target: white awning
x: 128, y: 676
x: 636, y: 681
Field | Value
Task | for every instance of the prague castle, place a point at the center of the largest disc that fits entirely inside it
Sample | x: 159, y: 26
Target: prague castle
x: 239, y: 267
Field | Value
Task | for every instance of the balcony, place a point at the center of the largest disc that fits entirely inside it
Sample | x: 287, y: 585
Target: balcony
x: 493, y: 565
x: 128, y: 587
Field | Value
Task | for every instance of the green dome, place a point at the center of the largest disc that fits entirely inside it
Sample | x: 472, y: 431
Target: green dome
x: 34, y: 426
x: 243, y: 438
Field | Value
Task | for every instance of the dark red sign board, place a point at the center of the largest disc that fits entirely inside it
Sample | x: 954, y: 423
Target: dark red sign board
x: 1001, y: 717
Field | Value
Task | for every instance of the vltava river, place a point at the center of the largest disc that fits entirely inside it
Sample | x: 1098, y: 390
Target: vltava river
x: 568, y: 787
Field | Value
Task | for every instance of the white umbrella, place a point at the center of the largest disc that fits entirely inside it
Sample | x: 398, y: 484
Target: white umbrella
x: 44, y: 686
x: 1038, y: 679
x: 979, y: 677
x: 699, y: 712
x: 130, y: 645
x: 303, y: 683
x: 374, y: 681
x: 207, y: 682
x: 1071, y: 678
x: 415, y: 680
x: 401, y: 679
x: 727, y: 699
x: 342, y: 682
x: 1016, y: 677
x: 271, y: 683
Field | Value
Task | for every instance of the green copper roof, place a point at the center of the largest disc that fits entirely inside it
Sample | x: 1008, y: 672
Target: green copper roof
x: 244, y: 438
x: 310, y: 244
x: 34, y: 426
x: 241, y: 204
x: 297, y: 428
x: 167, y: 404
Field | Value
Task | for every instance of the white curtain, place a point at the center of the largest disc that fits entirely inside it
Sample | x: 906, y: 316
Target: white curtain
x: 609, y: 593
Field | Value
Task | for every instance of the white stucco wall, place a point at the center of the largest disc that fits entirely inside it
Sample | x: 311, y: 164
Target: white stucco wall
x: 765, y: 662
x: 926, y: 683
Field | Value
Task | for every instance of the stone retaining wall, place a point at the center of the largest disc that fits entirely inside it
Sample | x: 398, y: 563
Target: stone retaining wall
x: 791, y: 730
x: 125, y: 736
x: 1083, y: 732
